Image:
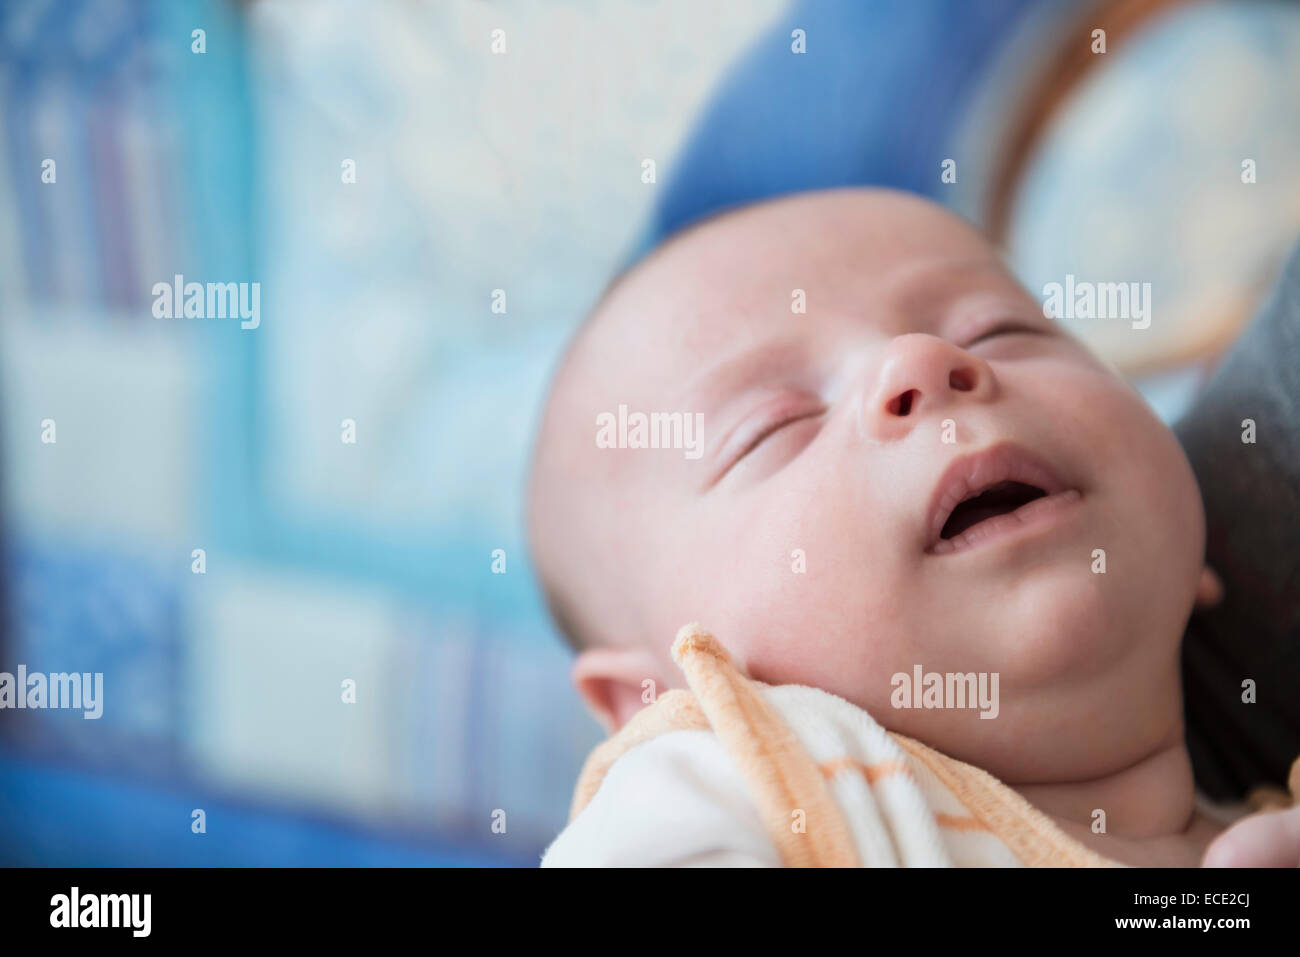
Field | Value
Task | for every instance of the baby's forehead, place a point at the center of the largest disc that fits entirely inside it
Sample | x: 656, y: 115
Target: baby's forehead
x: 831, y: 247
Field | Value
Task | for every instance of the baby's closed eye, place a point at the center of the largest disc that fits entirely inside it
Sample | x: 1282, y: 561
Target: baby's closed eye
x: 772, y: 434
x: 1009, y: 327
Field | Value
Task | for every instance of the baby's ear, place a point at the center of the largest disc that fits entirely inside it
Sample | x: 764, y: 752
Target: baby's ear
x: 1209, y: 589
x: 613, y: 683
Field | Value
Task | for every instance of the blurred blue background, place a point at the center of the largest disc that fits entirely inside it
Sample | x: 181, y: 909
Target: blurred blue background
x: 475, y: 172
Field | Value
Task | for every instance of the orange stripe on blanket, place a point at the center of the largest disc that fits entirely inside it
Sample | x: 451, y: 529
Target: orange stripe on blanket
x: 884, y: 769
x: 956, y: 823
x: 872, y: 772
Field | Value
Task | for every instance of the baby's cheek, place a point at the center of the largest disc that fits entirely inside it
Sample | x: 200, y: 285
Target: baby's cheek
x: 841, y: 627
x: 1153, y: 504
x: 754, y: 569
x: 1107, y: 421
x: 1137, y: 447
x: 815, y: 593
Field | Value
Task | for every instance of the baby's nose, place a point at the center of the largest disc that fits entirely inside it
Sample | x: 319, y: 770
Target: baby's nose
x: 922, y: 374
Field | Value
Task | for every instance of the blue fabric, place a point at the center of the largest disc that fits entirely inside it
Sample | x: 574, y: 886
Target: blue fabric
x: 63, y: 817
x: 873, y: 101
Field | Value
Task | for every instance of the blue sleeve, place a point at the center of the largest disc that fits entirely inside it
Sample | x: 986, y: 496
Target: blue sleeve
x: 872, y: 101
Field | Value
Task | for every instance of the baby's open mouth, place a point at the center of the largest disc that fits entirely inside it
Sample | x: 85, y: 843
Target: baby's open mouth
x: 1001, y: 499
x: 991, y: 494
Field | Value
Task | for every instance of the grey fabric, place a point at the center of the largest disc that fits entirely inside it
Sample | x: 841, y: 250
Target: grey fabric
x: 1252, y: 503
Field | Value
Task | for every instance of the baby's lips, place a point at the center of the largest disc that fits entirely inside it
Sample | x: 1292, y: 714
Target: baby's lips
x: 976, y: 472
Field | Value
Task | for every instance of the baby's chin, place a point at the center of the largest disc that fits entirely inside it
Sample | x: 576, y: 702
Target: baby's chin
x: 1064, y: 617
x: 1027, y: 725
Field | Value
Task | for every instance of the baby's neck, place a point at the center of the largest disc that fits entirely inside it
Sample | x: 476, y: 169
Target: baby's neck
x: 1150, y: 810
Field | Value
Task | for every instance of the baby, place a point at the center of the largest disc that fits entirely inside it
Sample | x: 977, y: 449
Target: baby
x: 907, y: 473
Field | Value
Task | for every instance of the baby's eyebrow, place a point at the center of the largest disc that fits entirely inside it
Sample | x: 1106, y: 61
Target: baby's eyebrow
x: 744, y: 367
x: 929, y: 287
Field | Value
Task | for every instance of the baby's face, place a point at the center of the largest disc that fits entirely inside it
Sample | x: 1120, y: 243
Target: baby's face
x: 821, y: 535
